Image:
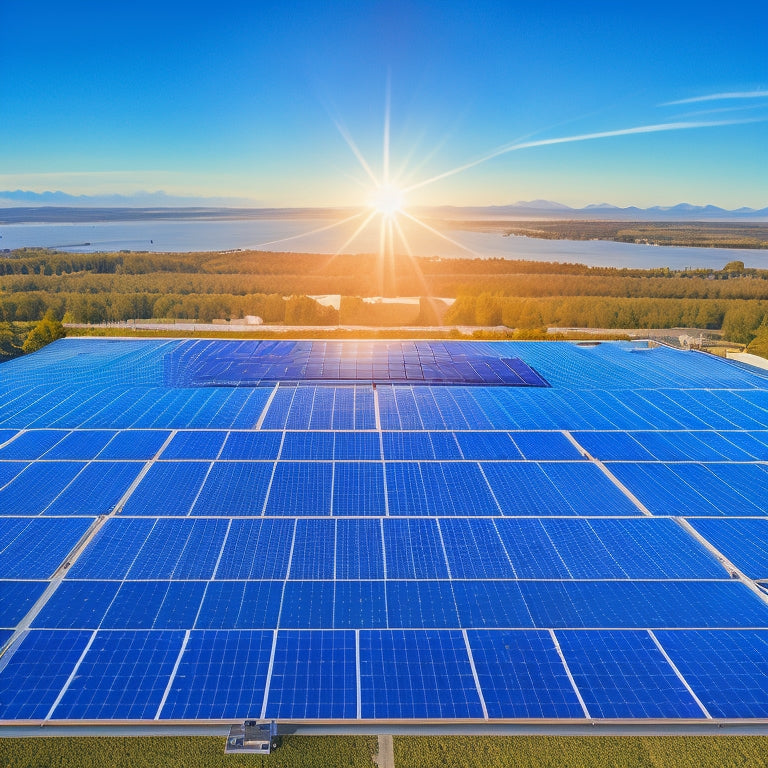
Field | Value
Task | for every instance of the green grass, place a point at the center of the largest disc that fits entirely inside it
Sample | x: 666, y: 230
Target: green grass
x: 175, y: 752
x: 581, y: 752
x: 410, y: 752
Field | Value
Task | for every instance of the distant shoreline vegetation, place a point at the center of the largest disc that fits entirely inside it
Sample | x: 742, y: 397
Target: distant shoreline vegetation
x: 684, y: 234
x: 293, y: 290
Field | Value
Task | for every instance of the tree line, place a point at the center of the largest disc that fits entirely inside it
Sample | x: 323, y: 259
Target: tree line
x: 100, y: 288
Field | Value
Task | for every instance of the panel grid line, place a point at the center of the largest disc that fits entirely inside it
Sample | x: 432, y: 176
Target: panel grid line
x: 679, y: 674
x: 569, y: 674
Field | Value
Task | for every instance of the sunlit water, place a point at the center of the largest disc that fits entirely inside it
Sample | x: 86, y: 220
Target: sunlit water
x: 170, y: 236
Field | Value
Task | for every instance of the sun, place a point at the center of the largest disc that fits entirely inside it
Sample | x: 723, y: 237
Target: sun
x: 387, y: 200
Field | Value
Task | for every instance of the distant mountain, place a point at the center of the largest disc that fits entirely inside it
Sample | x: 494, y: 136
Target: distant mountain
x: 545, y: 209
x: 541, y: 205
x: 21, y: 206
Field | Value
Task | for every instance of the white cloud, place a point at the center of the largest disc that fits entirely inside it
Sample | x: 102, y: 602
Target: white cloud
x: 718, y: 97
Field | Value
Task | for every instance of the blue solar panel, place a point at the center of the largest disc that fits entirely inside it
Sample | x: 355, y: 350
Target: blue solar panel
x: 486, y: 446
x: 727, y: 670
x: 416, y: 674
x: 151, y: 496
x: 612, y: 446
x: 413, y: 549
x: 222, y: 674
x: 457, y: 489
x: 421, y: 604
x: 454, y: 532
x: 80, y: 445
x: 545, y: 446
x: 31, y: 445
x: 419, y: 446
x: 750, y: 443
x: 37, y: 486
x: 358, y: 553
x: 521, y: 675
x: 474, y: 550
x: 313, y: 675
x: 112, y: 550
x: 251, y: 446
x: 525, y: 489
x: 359, y: 604
x: 308, y: 604
x: 621, y: 604
x: 123, y: 676
x: 307, y: 446
x: 234, y: 488
x: 77, y: 605
x: 155, y: 605
x: 357, y: 446
x: 36, y: 671
x: 587, y: 489
x: 358, y: 488
x: 240, y: 605
x: 606, y: 549
x: 137, y: 444
x: 6, y: 435
x: 256, y: 549
x: 405, y: 489
x: 195, y: 445
x: 9, y: 470
x: 301, y: 488
x: 314, y: 550
x: 179, y: 549
x: 96, y: 490
x: 624, y: 674
x: 678, y: 446
x: 491, y: 604
x: 34, y: 549
x: 743, y: 542
x: 16, y: 598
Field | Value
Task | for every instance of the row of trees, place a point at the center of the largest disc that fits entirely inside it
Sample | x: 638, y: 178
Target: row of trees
x: 97, y: 288
x: 739, y: 320
x: 361, y: 276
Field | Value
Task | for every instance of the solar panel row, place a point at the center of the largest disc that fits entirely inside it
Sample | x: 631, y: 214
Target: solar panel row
x: 404, y: 551
x: 384, y: 674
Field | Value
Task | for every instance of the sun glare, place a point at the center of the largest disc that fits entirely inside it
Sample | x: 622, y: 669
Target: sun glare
x: 387, y: 200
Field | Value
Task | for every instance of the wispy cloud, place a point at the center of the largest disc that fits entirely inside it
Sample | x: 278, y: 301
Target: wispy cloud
x: 657, y: 128
x: 718, y: 97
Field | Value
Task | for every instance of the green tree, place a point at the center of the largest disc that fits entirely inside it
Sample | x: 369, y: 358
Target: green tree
x: 47, y: 330
x: 9, y: 342
x: 741, y: 322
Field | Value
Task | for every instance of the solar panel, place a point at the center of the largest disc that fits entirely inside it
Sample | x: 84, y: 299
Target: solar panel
x: 313, y: 676
x: 197, y: 444
x: 150, y: 497
x: 733, y: 663
x: 416, y: 674
x: 16, y: 598
x: 37, y: 672
x: 449, y: 544
x: 222, y: 675
x: 123, y: 676
x: 155, y: 605
x: 625, y: 675
x: 521, y: 675
x: 35, y: 548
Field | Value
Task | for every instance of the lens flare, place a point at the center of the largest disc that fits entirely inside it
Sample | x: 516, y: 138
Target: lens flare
x: 387, y: 200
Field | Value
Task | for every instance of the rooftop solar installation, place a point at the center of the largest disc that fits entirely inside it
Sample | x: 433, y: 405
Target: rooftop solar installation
x: 380, y: 532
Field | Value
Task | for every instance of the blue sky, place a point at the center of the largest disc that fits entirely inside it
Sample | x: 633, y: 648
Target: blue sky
x: 242, y: 99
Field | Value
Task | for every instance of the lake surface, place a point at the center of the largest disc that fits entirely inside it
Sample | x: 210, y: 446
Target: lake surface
x: 301, y: 235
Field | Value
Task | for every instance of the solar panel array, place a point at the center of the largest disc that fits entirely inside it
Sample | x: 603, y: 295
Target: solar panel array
x: 177, y: 548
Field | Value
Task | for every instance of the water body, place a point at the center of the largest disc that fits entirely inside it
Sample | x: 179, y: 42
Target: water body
x: 291, y: 234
